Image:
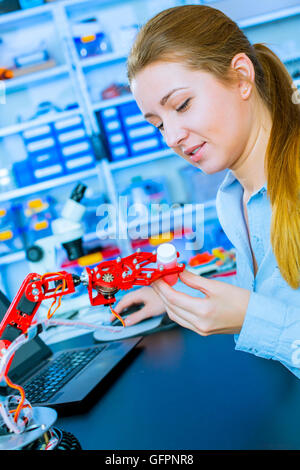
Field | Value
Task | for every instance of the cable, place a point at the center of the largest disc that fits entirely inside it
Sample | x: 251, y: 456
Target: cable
x: 117, y: 315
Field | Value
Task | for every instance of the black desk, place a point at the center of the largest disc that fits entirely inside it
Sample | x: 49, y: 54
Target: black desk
x: 183, y: 391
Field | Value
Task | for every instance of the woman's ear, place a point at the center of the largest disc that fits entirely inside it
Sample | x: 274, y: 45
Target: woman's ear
x: 244, y: 69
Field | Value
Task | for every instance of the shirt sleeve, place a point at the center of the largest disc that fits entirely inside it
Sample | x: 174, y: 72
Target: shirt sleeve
x: 271, y: 330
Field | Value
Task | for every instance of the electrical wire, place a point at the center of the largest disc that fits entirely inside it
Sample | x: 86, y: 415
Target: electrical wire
x: 63, y: 286
x: 15, y: 387
x: 117, y: 315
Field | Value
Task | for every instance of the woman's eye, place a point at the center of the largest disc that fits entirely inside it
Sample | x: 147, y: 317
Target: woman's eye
x: 160, y: 127
x: 184, y: 105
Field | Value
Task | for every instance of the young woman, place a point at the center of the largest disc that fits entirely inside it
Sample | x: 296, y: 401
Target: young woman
x: 220, y: 103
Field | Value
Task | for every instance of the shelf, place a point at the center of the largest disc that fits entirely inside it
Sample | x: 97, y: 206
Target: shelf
x: 12, y: 258
x: 149, y: 157
x: 34, y: 77
x: 290, y: 58
x: 53, y: 183
x: 268, y: 17
x: 112, y: 102
x: 45, y: 119
x: 20, y: 15
x: 101, y: 59
x: 43, y: 186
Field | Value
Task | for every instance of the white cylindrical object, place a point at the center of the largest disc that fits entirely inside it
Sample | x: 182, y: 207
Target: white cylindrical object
x: 73, y: 210
x: 167, y: 258
x: 166, y: 253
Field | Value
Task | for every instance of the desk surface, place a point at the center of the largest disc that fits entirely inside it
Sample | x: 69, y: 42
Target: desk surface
x: 184, y: 391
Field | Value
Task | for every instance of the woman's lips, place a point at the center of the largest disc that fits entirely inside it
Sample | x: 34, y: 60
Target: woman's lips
x: 198, y: 154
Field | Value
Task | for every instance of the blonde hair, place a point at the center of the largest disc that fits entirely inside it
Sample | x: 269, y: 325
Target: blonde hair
x: 204, y: 38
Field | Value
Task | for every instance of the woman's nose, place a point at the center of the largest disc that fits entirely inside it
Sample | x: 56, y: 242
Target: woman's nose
x: 174, y: 136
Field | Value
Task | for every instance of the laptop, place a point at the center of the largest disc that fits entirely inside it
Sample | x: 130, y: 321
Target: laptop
x: 66, y: 377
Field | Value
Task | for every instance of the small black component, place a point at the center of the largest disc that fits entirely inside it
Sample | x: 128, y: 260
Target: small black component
x: 76, y: 280
x: 4, y: 304
x: 78, y: 192
x: 25, y: 305
x: 10, y: 333
x: 34, y: 253
x: 74, y: 249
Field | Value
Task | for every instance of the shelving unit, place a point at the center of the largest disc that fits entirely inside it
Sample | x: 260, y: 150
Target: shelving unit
x: 45, y: 185
x: 58, y: 16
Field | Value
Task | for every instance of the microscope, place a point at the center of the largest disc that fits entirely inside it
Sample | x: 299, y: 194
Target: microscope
x: 67, y: 231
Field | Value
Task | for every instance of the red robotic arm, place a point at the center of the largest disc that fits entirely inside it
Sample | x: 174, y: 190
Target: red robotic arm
x: 34, y: 289
x: 107, y: 278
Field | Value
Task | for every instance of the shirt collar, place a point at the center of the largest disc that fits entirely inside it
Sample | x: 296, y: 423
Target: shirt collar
x: 230, y: 179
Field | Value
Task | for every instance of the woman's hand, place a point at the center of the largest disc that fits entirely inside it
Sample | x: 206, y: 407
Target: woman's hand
x: 153, y: 305
x: 222, y: 310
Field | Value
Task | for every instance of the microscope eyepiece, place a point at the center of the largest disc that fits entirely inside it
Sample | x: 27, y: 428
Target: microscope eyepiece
x: 78, y: 192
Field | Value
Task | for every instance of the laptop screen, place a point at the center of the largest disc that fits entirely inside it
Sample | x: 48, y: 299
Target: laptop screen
x: 29, y: 356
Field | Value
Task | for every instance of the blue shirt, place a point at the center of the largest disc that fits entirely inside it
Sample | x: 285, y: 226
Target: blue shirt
x: 271, y: 327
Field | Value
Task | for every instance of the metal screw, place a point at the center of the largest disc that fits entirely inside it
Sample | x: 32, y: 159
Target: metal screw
x: 154, y: 252
x: 161, y: 268
x: 33, y: 285
x: 134, y: 261
x: 118, y: 259
x: 149, y: 275
x: 137, y: 266
x: 36, y: 297
x: 35, y: 291
x: 124, y: 274
x: 98, y: 276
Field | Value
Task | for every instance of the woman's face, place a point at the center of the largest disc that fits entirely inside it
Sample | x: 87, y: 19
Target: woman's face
x: 202, y: 120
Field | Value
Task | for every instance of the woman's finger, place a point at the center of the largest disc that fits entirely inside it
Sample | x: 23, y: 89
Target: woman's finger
x: 137, y: 317
x: 175, y: 297
x: 195, y: 281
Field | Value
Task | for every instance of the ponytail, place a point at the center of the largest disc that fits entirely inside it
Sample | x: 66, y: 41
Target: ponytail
x: 282, y: 164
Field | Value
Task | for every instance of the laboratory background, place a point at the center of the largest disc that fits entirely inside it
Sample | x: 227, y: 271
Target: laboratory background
x: 84, y: 178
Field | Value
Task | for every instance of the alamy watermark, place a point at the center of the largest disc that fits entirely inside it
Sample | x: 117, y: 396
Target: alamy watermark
x: 122, y: 221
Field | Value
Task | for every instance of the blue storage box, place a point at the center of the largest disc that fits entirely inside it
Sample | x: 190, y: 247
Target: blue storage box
x: 38, y: 146
x: 109, y: 113
x: 112, y: 125
x: 141, y: 132
x: 41, y: 160
x: 23, y: 173
x: 116, y: 138
x: 48, y: 172
x: 133, y: 120
x: 139, y: 147
x: 129, y: 109
x: 63, y: 125
x: 71, y: 136
x: 76, y: 149
x: 79, y: 163
x: 37, y: 133
x: 118, y: 152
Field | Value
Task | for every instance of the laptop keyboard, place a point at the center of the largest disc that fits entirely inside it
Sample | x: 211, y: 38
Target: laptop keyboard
x: 52, y: 378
